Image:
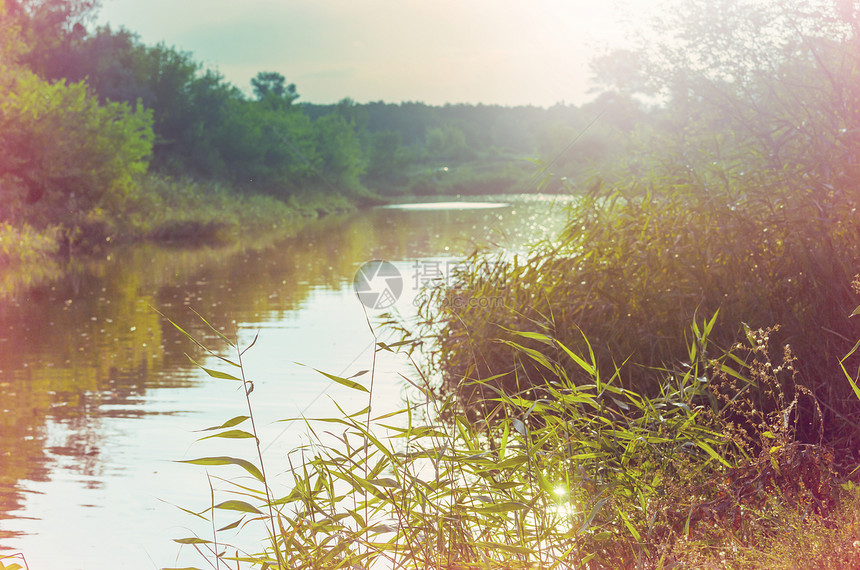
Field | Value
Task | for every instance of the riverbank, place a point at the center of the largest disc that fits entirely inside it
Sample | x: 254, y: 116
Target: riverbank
x: 163, y: 210
x: 187, y: 213
x: 97, y: 380
x: 502, y: 174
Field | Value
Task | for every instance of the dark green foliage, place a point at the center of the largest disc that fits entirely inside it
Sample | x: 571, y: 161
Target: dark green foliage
x: 270, y: 88
x: 206, y: 128
x: 387, y: 157
x: 62, y: 155
x: 445, y: 143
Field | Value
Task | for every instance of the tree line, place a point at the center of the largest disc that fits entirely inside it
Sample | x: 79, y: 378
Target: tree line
x: 86, y: 112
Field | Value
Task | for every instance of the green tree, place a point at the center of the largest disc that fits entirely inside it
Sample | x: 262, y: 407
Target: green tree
x: 188, y: 103
x: 113, y: 63
x: 386, y: 156
x: 62, y: 154
x: 339, y: 150
x: 271, y: 89
x: 445, y: 143
x: 11, y: 45
x: 267, y: 150
x: 756, y: 177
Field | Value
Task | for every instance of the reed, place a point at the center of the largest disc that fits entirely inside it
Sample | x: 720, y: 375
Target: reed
x: 637, y: 264
x: 581, y: 473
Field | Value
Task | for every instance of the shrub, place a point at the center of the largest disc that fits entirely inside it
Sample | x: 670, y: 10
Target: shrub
x: 62, y: 154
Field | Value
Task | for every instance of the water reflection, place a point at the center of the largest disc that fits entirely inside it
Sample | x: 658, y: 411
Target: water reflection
x: 95, y: 385
x: 449, y: 206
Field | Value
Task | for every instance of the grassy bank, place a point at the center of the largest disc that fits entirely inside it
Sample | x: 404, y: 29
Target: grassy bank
x: 488, y: 175
x: 162, y: 210
x: 584, y: 473
x: 670, y: 383
x: 633, y: 268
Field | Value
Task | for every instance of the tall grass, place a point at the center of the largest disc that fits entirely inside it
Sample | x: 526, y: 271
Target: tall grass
x: 635, y: 265
x: 584, y: 473
x: 166, y: 209
x: 24, y: 245
x: 163, y: 210
x: 27, y: 256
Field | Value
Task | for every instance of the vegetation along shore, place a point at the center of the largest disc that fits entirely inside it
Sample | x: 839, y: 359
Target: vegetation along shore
x: 106, y: 140
x: 671, y: 382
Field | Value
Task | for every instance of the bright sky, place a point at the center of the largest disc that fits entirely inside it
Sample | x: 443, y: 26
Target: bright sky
x: 507, y: 52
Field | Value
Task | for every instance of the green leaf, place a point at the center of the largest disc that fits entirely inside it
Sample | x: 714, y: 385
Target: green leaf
x: 214, y: 373
x: 344, y: 381
x: 385, y: 482
x: 250, y: 346
x: 505, y: 507
x: 712, y: 453
x: 512, y: 462
x: 844, y: 371
x: 535, y: 355
x: 230, y: 434
x: 223, y: 460
x: 587, y: 523
x: 851, y: 381
x: 505, y: 547
x: 589, y: 369
x: 220, y: 375
x: 630, y: 527
x: 240, y: 506
x: 229, y: 423
x: 532, y: 335
x: 213, y: 329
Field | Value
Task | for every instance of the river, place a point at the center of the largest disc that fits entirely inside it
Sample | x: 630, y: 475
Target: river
x: 100, y: 399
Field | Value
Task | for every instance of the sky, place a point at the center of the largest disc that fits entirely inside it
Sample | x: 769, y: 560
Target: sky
x: 503, y: 52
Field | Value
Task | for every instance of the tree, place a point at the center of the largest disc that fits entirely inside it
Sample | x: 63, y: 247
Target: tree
x: 113, y: 63
x: 765, y: 91
x: 386, y: 156
x: 756, y: 177
x: 48, y: 28
x: 62, y: 154
x: 270, y: 88
x: 339, y: 149
x: 445, y: 143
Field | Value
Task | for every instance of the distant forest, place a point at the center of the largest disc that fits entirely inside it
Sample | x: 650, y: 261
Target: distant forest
x: 272, y: 141
x: 89, y: 116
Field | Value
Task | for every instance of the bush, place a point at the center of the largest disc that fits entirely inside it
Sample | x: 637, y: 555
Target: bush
x: 632, y: 268
x: 62, y: 154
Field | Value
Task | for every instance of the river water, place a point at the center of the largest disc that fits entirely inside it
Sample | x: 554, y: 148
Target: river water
x: 100, y: 399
